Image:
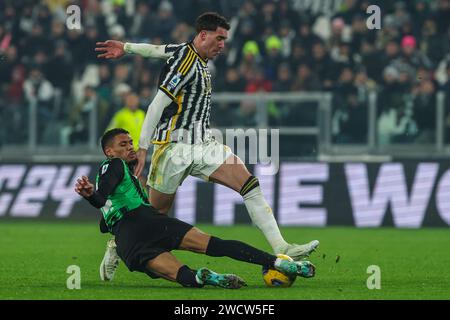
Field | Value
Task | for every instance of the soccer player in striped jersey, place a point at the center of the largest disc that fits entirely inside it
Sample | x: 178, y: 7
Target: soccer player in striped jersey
x: 177, y: 123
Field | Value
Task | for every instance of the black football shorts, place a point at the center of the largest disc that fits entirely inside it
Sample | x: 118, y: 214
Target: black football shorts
x: 144, y: 233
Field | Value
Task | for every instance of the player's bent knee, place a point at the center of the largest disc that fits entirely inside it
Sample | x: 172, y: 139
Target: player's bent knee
x: 195, y: 240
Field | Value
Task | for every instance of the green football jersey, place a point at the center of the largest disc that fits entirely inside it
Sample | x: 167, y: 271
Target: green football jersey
x: 126, y: 196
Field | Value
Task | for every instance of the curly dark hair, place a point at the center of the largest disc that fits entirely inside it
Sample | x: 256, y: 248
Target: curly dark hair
x: 109, y: 136
x: 211, y: 21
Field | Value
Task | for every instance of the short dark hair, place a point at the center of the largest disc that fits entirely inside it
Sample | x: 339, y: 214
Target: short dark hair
x: 109, y: 136
x: 211, y: 21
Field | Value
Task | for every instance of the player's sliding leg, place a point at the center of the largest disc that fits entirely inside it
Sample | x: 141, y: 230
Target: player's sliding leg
x: 235, y: 175
x: 110, y: 262
x: 108, y: 267
x: 200, y: 242
x: 167, y: 266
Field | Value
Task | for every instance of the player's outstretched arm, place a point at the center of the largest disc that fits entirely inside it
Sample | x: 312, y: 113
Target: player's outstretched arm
x: 154, y: 113
x: 110, y: 49
x: 113, y: 49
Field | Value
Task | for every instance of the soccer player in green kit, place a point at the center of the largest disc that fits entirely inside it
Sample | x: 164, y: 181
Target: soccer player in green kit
x: 145, y: 237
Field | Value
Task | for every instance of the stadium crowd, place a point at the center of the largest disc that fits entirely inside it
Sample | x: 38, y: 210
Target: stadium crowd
x: 274, y: 46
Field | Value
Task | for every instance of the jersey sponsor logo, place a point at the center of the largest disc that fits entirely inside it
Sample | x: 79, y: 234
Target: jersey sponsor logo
x: 174, y: 82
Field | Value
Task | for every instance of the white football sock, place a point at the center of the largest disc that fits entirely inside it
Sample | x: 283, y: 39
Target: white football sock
x: 262, y: 216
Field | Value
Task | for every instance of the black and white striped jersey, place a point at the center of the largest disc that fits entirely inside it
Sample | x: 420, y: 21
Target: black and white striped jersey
x: 186, y: 80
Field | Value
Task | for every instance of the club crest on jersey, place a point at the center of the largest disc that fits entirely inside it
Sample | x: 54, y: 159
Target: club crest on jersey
x: 175, y: 80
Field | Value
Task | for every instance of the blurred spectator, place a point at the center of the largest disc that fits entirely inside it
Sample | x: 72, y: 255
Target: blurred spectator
x: 298, y: 56
x: 305, y: 36
x: 273, y: 57
x: 232, y: 82
x: 35, y: 42
x: 420, y: 13
x: 5, y: 38
x: 284, y: 82
x: 13, y: 108
x: 14, y: 89
x: 130, y: 118
x: 104, y: 88
x: 306, y: 80
x: 425, y: 112
x: 390, y: 96
x: 288, y: 17
x: 145, y: 79
x: 395, y: 123
x: 222, y: 113
x: 143, y: 22
x: 338, y: 34
x: 257, y: 82
x: 391, y: 52
x: 60, y: 68
x: 7, y: 64
x: 350, y: 120
x: 446, y: 90
x: 26, y: 20
x: 44, y: 18
x: 91, y: 37
x: 78, y: 47
x: 267, y: 16
x: 246, y: 114
x: 251, y: 58
x: 245, y: 23
x: 342, y: 56
x: 182, y: 33
x: 39, y: 91
x: 360, y: 33
x: 77, y: 130
x: 9, y: 20
x: 432, y: 45
x: 165, y: 21
x: 146, y: 95
x: 441, y: 16
x: 323, y: 65
x: 372, y: 60
x: 350, y: 117
x: 58, y: 32
x: 287, y: 35
x: 413, y: 56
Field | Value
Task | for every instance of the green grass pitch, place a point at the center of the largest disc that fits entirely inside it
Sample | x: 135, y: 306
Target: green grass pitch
x: 34, y: 257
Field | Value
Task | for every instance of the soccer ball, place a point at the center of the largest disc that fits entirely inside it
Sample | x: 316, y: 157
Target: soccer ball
x: 274, y: 278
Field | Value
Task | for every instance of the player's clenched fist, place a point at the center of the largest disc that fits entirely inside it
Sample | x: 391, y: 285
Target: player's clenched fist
x: 111, y: 49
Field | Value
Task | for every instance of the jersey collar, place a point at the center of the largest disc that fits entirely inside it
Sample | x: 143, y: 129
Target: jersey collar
x: 191, y: 45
